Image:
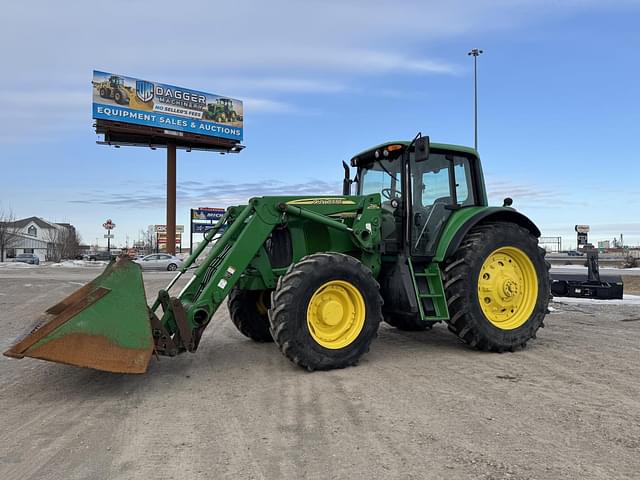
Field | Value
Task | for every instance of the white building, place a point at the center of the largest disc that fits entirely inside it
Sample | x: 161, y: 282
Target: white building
x: 34, y: 235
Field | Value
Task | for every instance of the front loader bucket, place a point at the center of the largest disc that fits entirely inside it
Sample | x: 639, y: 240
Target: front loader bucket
x: 103, y: 325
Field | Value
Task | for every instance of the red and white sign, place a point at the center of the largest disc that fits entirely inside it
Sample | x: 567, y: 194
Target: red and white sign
x: 109, y: 225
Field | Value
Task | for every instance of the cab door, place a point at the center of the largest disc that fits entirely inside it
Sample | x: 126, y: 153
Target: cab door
x: 440, y: 184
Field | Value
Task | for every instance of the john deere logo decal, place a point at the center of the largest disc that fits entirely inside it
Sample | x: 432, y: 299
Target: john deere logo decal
x: 144, y: 90
x: 322, y: 201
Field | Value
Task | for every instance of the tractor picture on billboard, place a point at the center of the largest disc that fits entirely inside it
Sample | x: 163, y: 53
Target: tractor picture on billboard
x: 125, y: 99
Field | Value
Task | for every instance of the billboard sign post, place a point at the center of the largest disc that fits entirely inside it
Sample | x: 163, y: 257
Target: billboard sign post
x: 137, y: 112
x: 108, y: 226
x: 582, y: 236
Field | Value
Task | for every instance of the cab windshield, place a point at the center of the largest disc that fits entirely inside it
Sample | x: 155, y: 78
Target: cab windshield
x: 430, y: 180
x: 382, y: 177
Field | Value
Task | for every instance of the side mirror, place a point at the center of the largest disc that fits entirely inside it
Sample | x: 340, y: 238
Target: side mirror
x: 422, y: 146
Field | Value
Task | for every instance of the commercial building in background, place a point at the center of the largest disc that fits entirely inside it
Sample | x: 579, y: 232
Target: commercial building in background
x: 48, y: 240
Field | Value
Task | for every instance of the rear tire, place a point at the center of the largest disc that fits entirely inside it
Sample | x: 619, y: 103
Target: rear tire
x: 172, y: 267
x: 326, y: 311
x: 514, y: 310
x: 248, y: 311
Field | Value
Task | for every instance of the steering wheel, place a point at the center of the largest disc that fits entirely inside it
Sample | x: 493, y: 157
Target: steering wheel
x: 389, y: 194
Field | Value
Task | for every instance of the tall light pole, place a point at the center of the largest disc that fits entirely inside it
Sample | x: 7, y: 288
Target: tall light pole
x: 475, y: 52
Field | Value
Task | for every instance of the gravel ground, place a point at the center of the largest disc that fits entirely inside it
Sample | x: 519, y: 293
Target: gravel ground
x: 631, y: 284
x: 419, y: 405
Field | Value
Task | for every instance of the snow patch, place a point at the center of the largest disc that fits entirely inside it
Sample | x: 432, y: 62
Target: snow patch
x: 626, y: 300
x: 557, y: 266
x: 16, y: 265
x: 78, y: 263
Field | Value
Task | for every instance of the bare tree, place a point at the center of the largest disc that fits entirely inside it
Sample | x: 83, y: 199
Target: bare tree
x: 64, y: 242
x: 149, y: 239
x: 8, y: 232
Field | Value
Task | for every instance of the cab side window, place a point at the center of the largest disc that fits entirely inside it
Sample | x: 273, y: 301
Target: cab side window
x: 435, y: 183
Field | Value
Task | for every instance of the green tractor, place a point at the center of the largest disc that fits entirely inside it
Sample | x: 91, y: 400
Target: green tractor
x: 222, y: 111
x: 114, y: 89
x: 415, y: 245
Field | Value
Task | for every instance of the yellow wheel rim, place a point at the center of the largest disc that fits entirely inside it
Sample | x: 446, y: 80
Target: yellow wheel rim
x: 507, y: 288
x: 335, y: 315
x: 261, y: 306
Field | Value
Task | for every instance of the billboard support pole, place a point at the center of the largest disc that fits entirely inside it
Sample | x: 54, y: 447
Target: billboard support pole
x: 171, y: 198
x: 190, y: 231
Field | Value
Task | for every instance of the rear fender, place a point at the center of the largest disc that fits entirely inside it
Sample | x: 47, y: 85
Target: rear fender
x: 463, y: 220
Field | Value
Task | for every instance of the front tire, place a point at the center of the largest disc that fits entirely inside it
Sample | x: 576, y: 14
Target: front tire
x: 497, y: 287
x: 326, y: 311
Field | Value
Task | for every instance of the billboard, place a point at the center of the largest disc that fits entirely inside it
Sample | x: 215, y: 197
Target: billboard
x: 205, y: 213
x: 131, y: 100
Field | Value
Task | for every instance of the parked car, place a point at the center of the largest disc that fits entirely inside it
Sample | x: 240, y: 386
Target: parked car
x: 159, y: 261
x: 103, y: 256
x: 30, y: 258
x: 574, y: 253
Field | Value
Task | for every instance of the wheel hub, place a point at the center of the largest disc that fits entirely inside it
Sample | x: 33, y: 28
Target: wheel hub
x: 336, y: 314
x: 330, y: 312
x: 507, y: 288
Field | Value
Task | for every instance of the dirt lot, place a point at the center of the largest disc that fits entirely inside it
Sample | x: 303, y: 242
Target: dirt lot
x: 631, y: 284
x: 418, y: 405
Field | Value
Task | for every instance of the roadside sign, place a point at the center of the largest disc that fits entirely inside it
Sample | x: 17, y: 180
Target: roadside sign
x: 204, y: 228
x: 108, y: 235
x: 204, y: 219
x: 162, y: 239
x: 163, y: 228
x: 207, y: 213
x: 109, y: 225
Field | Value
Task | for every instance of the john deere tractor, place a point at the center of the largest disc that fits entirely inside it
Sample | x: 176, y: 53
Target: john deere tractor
x: 411, y: 241
x: 222, y: 111
x: 114, y: 89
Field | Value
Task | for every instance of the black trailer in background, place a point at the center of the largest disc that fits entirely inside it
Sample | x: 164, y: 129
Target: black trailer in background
x: 603, y: 287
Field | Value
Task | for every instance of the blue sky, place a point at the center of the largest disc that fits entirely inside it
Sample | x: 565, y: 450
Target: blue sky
x: 559, y: 102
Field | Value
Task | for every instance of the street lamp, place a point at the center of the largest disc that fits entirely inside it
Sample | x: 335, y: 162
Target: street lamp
x: 475, y: 52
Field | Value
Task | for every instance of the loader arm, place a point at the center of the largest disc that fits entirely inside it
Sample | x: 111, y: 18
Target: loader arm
x: 184, y: 318
x: 183, y: 321
x: 108, y: 325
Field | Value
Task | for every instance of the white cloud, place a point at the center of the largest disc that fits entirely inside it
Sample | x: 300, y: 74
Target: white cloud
x: 263, y: 105
x: 240, y: 47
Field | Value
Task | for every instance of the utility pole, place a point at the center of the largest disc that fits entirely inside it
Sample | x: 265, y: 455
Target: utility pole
x: 475, y: 52
x: 171, y: 198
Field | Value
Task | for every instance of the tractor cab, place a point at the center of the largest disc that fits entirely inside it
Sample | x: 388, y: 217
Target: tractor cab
x: 419, y: 192
x: 116, y: 81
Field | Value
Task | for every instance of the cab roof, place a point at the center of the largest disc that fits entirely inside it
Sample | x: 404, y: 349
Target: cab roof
x: 367, y: 154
